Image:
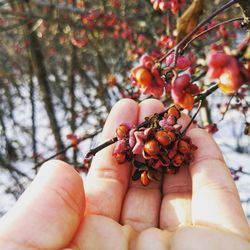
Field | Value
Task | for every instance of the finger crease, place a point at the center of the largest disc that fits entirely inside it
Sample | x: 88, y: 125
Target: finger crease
x: 111, y: 175
x: 178, y: 189
x: 67, y: 199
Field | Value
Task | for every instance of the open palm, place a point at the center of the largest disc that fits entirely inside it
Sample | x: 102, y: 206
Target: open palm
x: 197, y: 208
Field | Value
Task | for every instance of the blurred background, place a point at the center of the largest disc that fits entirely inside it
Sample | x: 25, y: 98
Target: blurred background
x: 63, y: 65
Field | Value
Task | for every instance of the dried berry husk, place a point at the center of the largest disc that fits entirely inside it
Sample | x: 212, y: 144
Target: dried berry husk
x: 183, y: 147
x: 121, y: 158
x: 171, y: 120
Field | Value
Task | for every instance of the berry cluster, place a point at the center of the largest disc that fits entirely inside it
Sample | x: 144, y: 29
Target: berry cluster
x: 165, y: 42
x: 147, y: 76
x: 79, y: 42
x: 160, y: 146
x: 162, y: 5
x: 98, y: 18
x: 231, y: 74
x: 182, y: 88
x: 107, y: 24
x: 153, y: 78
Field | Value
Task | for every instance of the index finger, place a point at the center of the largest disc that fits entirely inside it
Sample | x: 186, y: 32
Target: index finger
x: 107, y: 181
x: 48, y: 213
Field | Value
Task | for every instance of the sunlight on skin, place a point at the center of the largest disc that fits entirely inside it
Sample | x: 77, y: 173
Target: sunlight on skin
x: 197, y: 207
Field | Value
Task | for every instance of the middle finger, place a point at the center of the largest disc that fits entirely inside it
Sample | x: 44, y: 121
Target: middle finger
x: 142, y: 204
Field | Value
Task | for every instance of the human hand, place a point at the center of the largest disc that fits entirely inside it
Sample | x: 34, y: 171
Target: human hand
x: 197, y: 208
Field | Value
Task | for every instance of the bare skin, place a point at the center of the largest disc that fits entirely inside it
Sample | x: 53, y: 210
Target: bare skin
x: 199, y: 208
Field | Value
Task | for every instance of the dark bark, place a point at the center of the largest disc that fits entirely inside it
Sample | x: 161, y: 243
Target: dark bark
x: 245, y: 8
x: 33, y: 113
x: 40, y: 70
x: 205, y: 114
x: 72, y: 85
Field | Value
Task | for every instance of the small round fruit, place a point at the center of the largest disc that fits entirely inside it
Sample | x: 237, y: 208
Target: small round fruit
x: 171, y: 135
x: 122, y: 131
x: 228, y: 82
x: 143, y: 77
x: 181, y: 82
x: 163, y: 138
x: 175, y: 112
x: 144, y: 178
x: 152, y: 147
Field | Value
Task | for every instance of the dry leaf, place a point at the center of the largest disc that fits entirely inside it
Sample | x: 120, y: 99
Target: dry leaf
x: 189, y: 19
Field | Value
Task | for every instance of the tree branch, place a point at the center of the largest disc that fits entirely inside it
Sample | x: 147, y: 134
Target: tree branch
x: 81, y: 139
x: 197, y: 99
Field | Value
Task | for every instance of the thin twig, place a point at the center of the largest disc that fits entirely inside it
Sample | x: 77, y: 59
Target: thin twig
x: 211, y: 28
x: 11, y: 168
x: 193, y: 118
x: 227, y: 108
x: 197, y: 99
x: 190, y: 35
x: 81, y: 139
x: 244, y: 172
x: 93, y: 151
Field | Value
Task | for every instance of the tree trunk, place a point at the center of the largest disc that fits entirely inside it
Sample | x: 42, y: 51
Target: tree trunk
x: 40, y: 70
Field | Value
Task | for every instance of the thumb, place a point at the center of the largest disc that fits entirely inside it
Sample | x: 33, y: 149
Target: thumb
x: 215, y: 200
x: 48, y: 213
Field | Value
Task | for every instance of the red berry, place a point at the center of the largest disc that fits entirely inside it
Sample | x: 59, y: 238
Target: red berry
x: 183, y: 63
x: 144, y: 178
x: 122, y: 131
x: 152, y: 147
x: 181, y: 82
x: 143, y: 77
x: 171, y: 171
x: 174, y: 111
x: 177, y: 94
x: 171, y: 135
x: 163, y: 138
